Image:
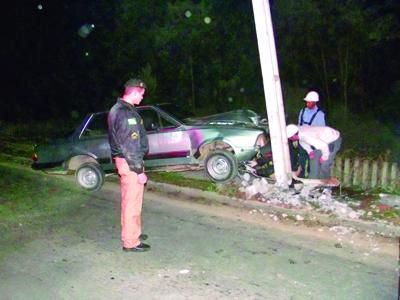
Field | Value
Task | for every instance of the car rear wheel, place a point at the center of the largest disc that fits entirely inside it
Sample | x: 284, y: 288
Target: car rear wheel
x: 221, y: 166
x: 90, y: 176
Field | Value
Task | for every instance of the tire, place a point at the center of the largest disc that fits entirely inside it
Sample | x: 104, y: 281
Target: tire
x: 221, y: 166
x: 90, y: 176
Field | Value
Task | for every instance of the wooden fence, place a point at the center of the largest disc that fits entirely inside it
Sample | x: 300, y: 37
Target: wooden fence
x: 367, y: 174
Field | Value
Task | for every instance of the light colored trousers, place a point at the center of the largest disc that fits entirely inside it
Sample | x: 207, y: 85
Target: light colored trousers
x: 322, y: 171
x: 131, y: 204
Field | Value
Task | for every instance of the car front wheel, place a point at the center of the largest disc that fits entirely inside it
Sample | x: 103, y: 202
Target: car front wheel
x: 221, y: 166
x: 90, y: 176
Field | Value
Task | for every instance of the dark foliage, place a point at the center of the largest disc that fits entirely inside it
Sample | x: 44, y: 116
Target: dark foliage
x: 199, y: 54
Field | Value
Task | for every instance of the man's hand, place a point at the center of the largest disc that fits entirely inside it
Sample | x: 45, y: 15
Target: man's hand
x: 142, y: 178
x: 311, y: 155
x: 321, y: 160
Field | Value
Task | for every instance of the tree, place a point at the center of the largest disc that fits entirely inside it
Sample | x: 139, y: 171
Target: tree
x: 326, y: 44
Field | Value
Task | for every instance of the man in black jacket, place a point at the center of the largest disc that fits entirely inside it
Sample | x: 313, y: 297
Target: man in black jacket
x: 129, y: 144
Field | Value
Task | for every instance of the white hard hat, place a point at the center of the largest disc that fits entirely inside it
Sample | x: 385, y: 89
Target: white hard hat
x: 312, y: 97
x: 291, y: 130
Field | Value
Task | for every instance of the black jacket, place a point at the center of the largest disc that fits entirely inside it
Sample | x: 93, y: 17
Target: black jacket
x: 127, y: 135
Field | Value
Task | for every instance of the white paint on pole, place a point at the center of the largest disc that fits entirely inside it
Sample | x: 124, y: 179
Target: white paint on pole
x: 273, y: 92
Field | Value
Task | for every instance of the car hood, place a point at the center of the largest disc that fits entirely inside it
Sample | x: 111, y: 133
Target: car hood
x: 239, y: 117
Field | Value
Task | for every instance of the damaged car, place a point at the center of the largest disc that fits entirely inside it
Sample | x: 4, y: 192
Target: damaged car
x: 174, y: 145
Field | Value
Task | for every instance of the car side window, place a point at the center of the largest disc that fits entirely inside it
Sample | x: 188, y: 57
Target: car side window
x: 150, y: 118
x: 153, y: 121
x: 165, y: 123
x: 96, y: 127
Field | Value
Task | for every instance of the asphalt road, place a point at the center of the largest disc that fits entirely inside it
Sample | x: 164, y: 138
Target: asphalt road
x: 199, y: 251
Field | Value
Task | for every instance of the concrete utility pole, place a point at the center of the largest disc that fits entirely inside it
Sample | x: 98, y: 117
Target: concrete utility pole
x: 273, y: 92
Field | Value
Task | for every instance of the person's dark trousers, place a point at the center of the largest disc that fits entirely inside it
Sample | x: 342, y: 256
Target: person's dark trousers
x: 334, y: 147
x: 293, y: 151
x: 304, y: 162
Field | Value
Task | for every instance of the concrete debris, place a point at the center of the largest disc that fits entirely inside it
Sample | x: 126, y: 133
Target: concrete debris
x: 258, y: 186
x: 309, y: 197
x: 390, y: 200
x: 246, y: 178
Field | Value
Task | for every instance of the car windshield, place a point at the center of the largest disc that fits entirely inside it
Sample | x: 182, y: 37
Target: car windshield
x: 175, y: 110
x: 243, y: 117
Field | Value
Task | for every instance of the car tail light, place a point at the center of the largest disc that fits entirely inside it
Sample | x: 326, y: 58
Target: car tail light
x: 261, y: 140
x: 34, y: 157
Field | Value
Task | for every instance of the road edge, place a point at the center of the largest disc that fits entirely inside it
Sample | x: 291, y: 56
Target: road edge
x: 309, y: 216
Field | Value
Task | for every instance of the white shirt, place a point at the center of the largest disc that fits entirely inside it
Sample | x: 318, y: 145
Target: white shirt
x: 318, y: 137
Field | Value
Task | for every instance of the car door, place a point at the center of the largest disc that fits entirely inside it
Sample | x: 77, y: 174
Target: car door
x: 169, y: 142
x: 93, y: 139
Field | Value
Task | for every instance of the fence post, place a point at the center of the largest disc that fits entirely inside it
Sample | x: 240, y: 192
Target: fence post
x: 393, y: 176
x: 338, y: 167
x: 356, y: 172
x: 346, y: 172
x: 384, y: 173
x: 365, y: 173
x: 374, y: 174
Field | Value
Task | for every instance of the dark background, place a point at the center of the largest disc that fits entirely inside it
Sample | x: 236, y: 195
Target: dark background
x: 346, y: 50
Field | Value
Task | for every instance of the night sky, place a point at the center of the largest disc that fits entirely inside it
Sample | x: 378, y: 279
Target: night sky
x: 42, y: 45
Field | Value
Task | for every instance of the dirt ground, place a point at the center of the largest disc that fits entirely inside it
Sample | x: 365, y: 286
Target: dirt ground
x: 200, y: 250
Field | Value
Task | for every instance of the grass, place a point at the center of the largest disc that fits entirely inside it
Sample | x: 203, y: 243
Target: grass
x: 32, y: 203
x: 28, y: 194
x: 180, y: 180
x: 16, y: 148
x: 228, y: 189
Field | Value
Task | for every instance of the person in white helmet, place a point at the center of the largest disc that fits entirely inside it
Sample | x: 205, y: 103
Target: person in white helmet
x: 310, y: 115
x: 321, y: 144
